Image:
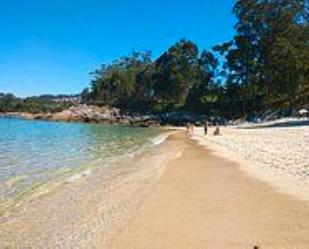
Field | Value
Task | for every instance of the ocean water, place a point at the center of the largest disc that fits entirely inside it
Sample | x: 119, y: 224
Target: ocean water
x: 36, y: 154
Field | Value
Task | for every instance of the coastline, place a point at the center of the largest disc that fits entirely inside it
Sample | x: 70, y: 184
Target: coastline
x: 147, y: 204
x: 90, y: 114
x: 205, y: 201
x: 90, y: 204
x: 51, y: 154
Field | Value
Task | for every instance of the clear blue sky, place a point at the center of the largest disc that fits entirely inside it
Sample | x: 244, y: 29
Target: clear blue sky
x: 51, y: 46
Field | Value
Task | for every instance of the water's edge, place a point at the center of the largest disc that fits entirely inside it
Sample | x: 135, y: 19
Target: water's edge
x: 37, y: 157
x: 89, y: 205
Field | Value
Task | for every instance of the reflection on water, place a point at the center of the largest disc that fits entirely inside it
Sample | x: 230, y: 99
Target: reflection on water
x: 33, y: 153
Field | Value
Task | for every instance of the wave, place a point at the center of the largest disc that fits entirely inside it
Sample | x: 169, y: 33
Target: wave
x: 135, y: 150
x: 160, y: 138
x: 78, y: 176
x: 106, y: 159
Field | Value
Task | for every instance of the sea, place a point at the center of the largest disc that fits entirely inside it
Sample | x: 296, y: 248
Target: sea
x: 38, y: 156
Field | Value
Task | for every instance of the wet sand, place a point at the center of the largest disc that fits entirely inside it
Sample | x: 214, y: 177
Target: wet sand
x: 78, y: 212
x: 204, y: 201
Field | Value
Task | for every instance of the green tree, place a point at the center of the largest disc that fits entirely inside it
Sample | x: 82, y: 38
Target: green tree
x: 204, y: 96
x: 123, y: 83
x: 176, y: 73
x: 268, y: 57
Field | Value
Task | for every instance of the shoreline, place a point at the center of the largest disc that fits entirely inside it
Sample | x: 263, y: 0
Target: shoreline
x: 203, y: 201
x: 70, y: 176
x: 146, y: 205
x: 96, y: 204
x: 89, y: 114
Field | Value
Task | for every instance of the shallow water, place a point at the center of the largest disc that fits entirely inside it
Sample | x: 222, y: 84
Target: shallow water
x: 90, y: 200
x: 36, y: 155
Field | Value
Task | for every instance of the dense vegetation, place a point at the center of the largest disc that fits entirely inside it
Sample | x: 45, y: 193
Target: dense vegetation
x: 41, y: 104
x: 136, y: 83
x: 265, y: 66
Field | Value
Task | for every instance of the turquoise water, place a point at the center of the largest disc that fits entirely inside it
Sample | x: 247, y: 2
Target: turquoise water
x: 33, y: 153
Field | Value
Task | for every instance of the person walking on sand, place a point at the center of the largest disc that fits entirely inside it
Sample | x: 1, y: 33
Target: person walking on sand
x: 206, y: 127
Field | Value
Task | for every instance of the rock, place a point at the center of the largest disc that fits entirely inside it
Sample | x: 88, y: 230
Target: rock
x: 96, y: 114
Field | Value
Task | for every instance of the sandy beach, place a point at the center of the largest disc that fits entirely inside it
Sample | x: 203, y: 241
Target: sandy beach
x: 194, y: 198
x: 204, y: 201
x: 276, y: 155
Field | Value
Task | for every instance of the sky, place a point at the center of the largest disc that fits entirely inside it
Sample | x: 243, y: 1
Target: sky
x: 52, y: 46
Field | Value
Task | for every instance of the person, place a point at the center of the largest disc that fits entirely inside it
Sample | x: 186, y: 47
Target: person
x: 217, y: 131
x: 206, y: 127
x: 188, y: 126
x: 192, y: 128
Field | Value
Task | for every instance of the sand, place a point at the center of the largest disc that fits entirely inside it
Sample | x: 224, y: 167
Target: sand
x: 194, y: 198
x: 277, y: 155
x: 204, y: 201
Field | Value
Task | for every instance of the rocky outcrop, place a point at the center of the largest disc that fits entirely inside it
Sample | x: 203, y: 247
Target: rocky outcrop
x: 110, y: 115
x: 96, y: 114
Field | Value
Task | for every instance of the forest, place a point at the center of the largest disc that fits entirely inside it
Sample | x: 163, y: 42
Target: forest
x: 36, y: 104
x: 265, y: 66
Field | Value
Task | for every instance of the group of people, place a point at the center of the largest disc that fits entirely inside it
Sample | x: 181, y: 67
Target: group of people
x: 217, y: 132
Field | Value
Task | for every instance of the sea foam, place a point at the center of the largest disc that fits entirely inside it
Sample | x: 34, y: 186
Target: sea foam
x: 160, y: 138
x: 78, y: 176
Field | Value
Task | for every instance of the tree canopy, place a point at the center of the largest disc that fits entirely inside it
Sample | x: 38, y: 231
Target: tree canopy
x: 40, y: 104
x: 264, y: 66
x: 137, y: 83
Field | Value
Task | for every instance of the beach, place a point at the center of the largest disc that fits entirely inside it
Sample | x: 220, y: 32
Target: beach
x: 277, y: 155
x: 205, y: 201
x: 154, y: 124
x: 195, y: 196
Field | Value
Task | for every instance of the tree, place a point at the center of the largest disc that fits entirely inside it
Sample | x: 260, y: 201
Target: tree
x: 8, y: 102
x: 85, y: 95
x: 176, y: 73
x: 124, y: 82
x: 268, y: 56
x: 204, y: 96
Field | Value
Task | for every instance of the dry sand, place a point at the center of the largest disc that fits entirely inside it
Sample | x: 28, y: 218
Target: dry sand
x: 279, y: 156
x: 204, y: 201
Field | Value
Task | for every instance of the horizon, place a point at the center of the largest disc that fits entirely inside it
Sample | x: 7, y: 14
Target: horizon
x: 54, y: 54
